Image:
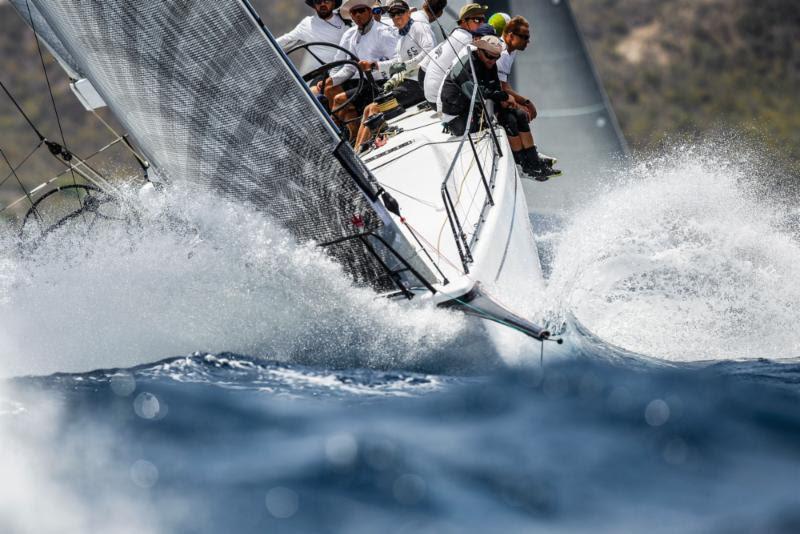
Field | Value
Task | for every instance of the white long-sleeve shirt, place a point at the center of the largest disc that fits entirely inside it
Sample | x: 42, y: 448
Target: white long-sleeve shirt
x: 411, y: 49
x: 314, y: 29
x: 421, y: 16
x: 377, y: 43
x: 440, y: 60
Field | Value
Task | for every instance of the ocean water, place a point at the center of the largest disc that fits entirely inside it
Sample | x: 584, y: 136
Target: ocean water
x: 204, y: 373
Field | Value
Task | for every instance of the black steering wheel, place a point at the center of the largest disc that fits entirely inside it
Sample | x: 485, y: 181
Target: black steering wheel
x: 93, y: 204
x: 325, y: 68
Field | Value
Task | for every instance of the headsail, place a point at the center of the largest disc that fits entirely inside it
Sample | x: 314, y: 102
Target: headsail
x: 212, y: 101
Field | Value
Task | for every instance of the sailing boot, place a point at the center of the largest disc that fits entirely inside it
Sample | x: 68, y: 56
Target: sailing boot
x: 545, y: 164
x: 531, y: 165
x: 544, y: 159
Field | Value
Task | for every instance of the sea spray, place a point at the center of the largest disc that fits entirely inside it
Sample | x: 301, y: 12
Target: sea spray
x: 199, y: 273
x: 684, y: 258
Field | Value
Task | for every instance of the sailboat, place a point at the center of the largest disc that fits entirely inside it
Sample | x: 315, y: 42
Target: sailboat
x: 211, y: 100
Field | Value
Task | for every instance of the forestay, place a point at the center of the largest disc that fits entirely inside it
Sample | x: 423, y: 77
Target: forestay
x: 212, y: 102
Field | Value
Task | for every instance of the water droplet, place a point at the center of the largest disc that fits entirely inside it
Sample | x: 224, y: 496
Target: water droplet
x: 123, y: 384
x: 656, y: 413
x: 282, y: 502
x: 341, y: 449
x: 146, y: 406
x: 144, y: 474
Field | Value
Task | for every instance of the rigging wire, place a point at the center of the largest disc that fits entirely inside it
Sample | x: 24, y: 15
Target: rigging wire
x: 65, y: 152
x: 27, y: 194
x: 80, y: 162
x: 21, y: 111
x: 21, y: 163
x: 124, y: 137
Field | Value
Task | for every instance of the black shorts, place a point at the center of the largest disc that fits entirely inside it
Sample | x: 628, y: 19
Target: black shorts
x: 365, y: 97
x: 409, y: 93
x: 514, y: 121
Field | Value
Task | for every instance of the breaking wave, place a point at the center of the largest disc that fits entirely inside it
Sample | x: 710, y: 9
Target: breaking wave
x: 685, y: 258
x: 201, y: 274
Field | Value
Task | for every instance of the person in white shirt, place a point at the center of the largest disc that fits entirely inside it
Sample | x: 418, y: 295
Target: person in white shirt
x: 516, y: 118
x: 431, y: 11
x: 379, y: 13
x: 441, y: 59
x: 325, y: 26
x: 371, y: 42
x: 415, y: 42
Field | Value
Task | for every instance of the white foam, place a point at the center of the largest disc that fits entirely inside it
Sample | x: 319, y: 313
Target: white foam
x: 235, y: 283
x: 683, y: 260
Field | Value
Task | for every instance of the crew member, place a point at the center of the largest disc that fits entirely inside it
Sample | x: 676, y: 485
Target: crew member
x: 432, y: 10
x: 416, y: 41
x: 459, y: 85
x: 324, y: 26
x: 439, y: 61
x: 516, y: 119
x: 370, y: 42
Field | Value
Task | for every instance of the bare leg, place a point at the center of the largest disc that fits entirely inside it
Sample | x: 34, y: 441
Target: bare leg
x: 364, y: 133
x: 346, y: 115
x: 527, y: 140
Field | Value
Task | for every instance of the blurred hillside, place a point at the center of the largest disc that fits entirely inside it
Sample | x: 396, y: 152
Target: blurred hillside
x: 697, y: 67
x: 671, y: 67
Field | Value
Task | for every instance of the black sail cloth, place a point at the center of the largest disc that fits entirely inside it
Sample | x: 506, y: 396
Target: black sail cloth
x: 211, y: 101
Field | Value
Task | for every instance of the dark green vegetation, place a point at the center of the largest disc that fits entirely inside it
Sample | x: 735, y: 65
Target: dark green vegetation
x: 672, y: 68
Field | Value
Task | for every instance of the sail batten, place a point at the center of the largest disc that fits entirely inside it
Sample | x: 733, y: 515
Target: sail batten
x: 212, y: 102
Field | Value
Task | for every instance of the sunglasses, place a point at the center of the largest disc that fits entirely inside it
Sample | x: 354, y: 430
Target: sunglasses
x: 489, y: 56
x: 377, y: 10
x: 523, y: 36
x: 319, y: 2
x: 359, y: 10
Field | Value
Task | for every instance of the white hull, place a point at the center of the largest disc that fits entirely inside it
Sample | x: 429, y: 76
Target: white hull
x: 504, y: 257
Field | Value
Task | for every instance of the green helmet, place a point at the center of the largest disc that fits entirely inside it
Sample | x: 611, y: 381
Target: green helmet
x: 498, y: 21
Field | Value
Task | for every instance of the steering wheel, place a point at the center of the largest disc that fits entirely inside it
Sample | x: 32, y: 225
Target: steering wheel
x: 92, y: 201
x: 324, y: 68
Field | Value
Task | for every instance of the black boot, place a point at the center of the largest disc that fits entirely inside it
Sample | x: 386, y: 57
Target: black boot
x: 544, y: 159
x: 531, y: 165
x: 518, y: 157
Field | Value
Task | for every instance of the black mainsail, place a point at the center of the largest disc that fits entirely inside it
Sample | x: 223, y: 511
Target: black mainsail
x: 212, y: 101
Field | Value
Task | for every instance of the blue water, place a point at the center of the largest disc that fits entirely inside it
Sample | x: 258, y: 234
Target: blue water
x: 671, y: 407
